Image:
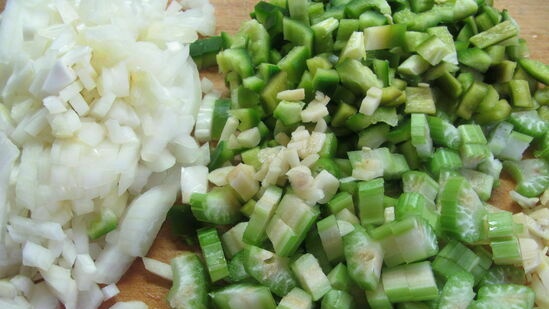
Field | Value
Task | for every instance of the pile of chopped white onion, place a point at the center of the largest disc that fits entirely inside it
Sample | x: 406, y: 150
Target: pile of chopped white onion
x: 98, y: 100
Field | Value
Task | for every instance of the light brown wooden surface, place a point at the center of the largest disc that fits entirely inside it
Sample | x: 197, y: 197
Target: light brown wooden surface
x: 138, y: 284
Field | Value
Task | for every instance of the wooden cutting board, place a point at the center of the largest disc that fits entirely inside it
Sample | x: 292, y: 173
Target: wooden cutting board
x: 138, y: 284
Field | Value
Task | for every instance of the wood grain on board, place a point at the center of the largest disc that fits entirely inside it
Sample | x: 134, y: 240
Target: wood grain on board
x: 138, y: 284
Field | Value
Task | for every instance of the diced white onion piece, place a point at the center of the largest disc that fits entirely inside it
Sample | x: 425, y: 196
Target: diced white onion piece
x: 110, y: 291
x: 23, y: 284
x: 35, y: 255
x: 54, y: 104
x: 91, y: 298
x: 249, y: 138
x: 84, y: 268
x: 203, y: 127
x: 194, y: 179
x: 65, y: 124
x: 79, y: 105
x: 111, y: 264
x: 161, y: 269
x: 70, y: 91
x: 41, y: 297
x: 102, y: 105
x: 131, y: 304
x: 371, y: 102
x: 59, y: 77
x: 219, y: 176
x: 241, y: 179
x: 229, y: 129
x: 61, y: 284
x: 144, y: 217
x: 328, y: 183
x: 7, y: 289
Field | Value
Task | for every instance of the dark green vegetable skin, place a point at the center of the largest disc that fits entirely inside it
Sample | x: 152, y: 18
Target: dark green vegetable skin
x: 469, y: 55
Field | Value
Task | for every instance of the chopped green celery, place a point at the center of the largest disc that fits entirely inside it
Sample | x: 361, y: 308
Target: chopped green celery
x: 421, y: 136
x: 219, y: 206
x: 337, y: 299
x: 372, y: 19
x: 384, y: 37
x: 368, y: 164
x: 492, y: 167
x: 237, y: 271
x: 269, y: 269
x: 419, y: 100
x: 455, y: 258
x: 512, y: 295
x: 444, y: 159
x: 315, y: 10
x: 344, y: 31
x: 473, y: 154
x: 325, y: 164
x: 542, y: 150
x: 420, y: 182
x: 377, y: 299
x: 296, y: 299
x: 400, y: 133
x: 370, y: 201
x: 342, y: 200
x: 434, y: 50
x: 235, y: 60
x: 356, y: 7
x: 359, y: 121
x: 500, y: 224
x: 306, y: 83
x: 299, y: 34
x: 457, y: 291
x: 289, y: 226
x: 504, y: 274
x: 294, y: 63
x: 331, y: 239
x: 339, y: 278
x: 203, y: 51
x: 529, y: 122
x: 419, y: 6
x: 325, y: 80
x: 329, y: 147
x: 318, y: 62
x: 412, y: 39
x: 211, y: 248
x: 531, y: 176
x: 471, y: 99
x: 364, y: 257
x: 259, y: 42
x: 443, y: 132
x: 515, y: 146
x: 410, y: 282
x: 475, y: 58
x: 495, y: 112
x: 537, y: 69
x: 342, y: 113
x: 276, y: 84
x: 267, y: 70
x: 449, y: 85
x: 355, y: 48
x: 501, y: 72
x: 500, y: 32
x: 482, y: 182
x: 520, y: 93
x: 410, y: 153
x: 357, y: 77
x: 189, y: 282
x: 462, y: 212
x: 499, y: 136
x: 413, y: 66
x: 323, y: 35
x: 392, y: 96
x: 243, y: 295
x: 373, y: 136
x: 263, y: 211
x: 102, y: 223
x: 506, y: 251
x: 310, y: 276
x: 232, y: 239
x: 220, y: 116
x: 288, y: 112
x: 313, y: 245
x: 298, y: 11
x: 245, y: 98
x: 411, y: 239
x: 411, y: 204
